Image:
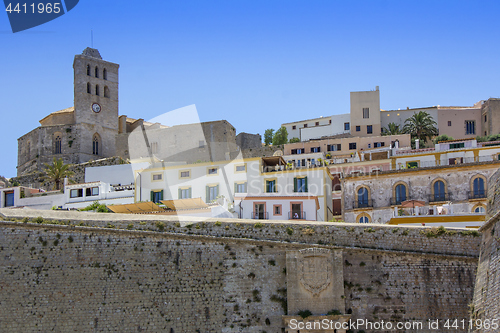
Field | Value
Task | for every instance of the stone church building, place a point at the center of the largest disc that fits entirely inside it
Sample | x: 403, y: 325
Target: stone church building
x: 92, y: 129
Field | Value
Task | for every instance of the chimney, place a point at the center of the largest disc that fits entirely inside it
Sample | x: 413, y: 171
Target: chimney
x: 417, y: 143
x: 376, y: 88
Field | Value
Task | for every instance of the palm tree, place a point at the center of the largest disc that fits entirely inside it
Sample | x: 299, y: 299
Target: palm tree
x: 392, y: 129
x: 57, y: 172
x: 421, y: 126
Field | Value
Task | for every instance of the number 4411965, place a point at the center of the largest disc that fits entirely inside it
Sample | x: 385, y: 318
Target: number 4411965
x: 40, y: 8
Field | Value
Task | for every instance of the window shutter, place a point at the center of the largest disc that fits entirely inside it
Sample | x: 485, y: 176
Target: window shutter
x: 217, y: 191
x: 245, y: 187
x: 295, y: 184
x: 179, y: 191
x: 152, y: 196
x: 190, y: 195
x: 235, y: 187
x: 305, y: 190
x: 208, y: 194
x: 161, y: 195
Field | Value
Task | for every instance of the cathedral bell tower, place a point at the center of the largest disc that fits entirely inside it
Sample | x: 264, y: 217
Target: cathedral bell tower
x: 96, y: 103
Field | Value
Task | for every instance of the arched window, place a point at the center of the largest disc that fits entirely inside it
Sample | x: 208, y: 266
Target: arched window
x: 480, y: 210
x: 399, y: 194
x: 105, y: 74
x: 97, y: 90
x: 88, y: 70
x: 95, y: 144
x: 57, y: 144
x: 106, y: 91
x: 96, y: 71
x: 363, y: 218
x: 363, y: 197
x: 88, y: 88
x: 478, y: 188
x: 439, y: 191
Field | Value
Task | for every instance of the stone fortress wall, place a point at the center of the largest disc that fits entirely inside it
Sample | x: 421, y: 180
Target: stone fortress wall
x: 137, y: 273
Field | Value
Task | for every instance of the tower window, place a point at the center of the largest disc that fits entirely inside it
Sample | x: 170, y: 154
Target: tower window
x: 88, y: 70
x: 97, y: 89
x: 366, y: 113
x: 106, y: 91
x: 470, y: 127
x: 95, y: 144
x: 88, y: 88
x: 57, y: 145
x: 105, y: 74
x: 96, y: 71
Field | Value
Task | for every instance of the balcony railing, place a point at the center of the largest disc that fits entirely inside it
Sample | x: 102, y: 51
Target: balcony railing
x: 458, y: 161
x: 363, y: 203
x: 437, y: 197
x: 296, y: 215
x: 260, y: 215
x: 477, y: 194
x: 397, y: 201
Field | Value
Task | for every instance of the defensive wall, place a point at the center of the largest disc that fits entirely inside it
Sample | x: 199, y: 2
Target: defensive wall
x: 93, y: 272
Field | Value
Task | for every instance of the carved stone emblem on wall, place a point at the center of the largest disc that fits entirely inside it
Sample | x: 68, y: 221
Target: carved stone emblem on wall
x: 314, y: 269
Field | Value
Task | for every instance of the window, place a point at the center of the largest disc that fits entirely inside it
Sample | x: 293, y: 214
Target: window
x: 294, y: 127
x: 347, y: 126
x: 185, y: 174
x: 315, y: 149
x: 439, y: 191
x: 366, y: 113
x: 240, y: 187
x: 89, y: 90
x: 478, y: 188
x: 480, y: 209
x: 363, y: 219
x: 305, y: 125
x: 58, y: 145
x: 95, y: 144
x: 202, y: 144
x: 330, y: 121
x: 185, y: 193
x: 240, y: 168
x: 9, y: 199
x: 412, y: 165
x: 352, y: 145
x: 336, y: 186
x: 88, y: 70
x: 369, y: 145
x: 213, y: 171
x: 271, y: 186
x: 154, y: 147
x: 259, y: 211
x: 358, y: 128
x: 362, y: 197
x: 400, y: 194
x: 276, y: 209
x: 91, y: 191
x: 379, y: 144
x: 298, y: 151
x: 156, y: 196
x: 76, y: 193
x: 106, y: 91
x: 157, y: 177
x: 104, y: 74
x: 212, y: 192
x: 449, y: 122
x: 485, y: 118
x: 300, y: 184
x: 457, y: 145
x: 456, y: 160
x: 96, y: 72
x: 317, y: 123
x: 296, y: 211
x: 97, y: 90
x: 470, y: 127
x: 369, y: 129
x: 334, y: 147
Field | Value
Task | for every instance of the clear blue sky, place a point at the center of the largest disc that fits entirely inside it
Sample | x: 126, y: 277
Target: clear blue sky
x: 255, y: 63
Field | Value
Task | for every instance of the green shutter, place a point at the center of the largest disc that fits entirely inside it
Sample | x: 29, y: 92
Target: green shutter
x: 305, y: 185
x: 235, y: 185
x: 245, y: 188
x: 179, y: 191
x: 161, y: 195
x: 207, y: 193
x: 152, y: 196
x: 217, y: 191
x: 295, y: 184
x: 190, y: 195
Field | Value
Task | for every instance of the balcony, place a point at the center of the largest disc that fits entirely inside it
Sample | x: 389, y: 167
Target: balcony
x: 296, y: 215
x: 438, y: 197
x: 481, y: 194
x: 363, y: 204
x: 397, y: 201
x: 260, y: 216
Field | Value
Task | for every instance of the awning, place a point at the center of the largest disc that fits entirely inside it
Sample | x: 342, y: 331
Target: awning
x: 181, y: 204
x: 135, y: 208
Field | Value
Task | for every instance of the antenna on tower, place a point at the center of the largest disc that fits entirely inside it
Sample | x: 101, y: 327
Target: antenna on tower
x: 91, y: 38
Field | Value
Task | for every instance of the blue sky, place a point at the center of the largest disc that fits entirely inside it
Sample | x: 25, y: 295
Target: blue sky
x: 254, y: 63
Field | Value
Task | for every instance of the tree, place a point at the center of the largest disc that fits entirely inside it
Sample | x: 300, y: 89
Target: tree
x: 57, y: 172
x: 280, y: 137
x: 442, y: 137
x: 268, y: 136
x: 293, y: 140
x: 392, y: 129
x: 421, y: 126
